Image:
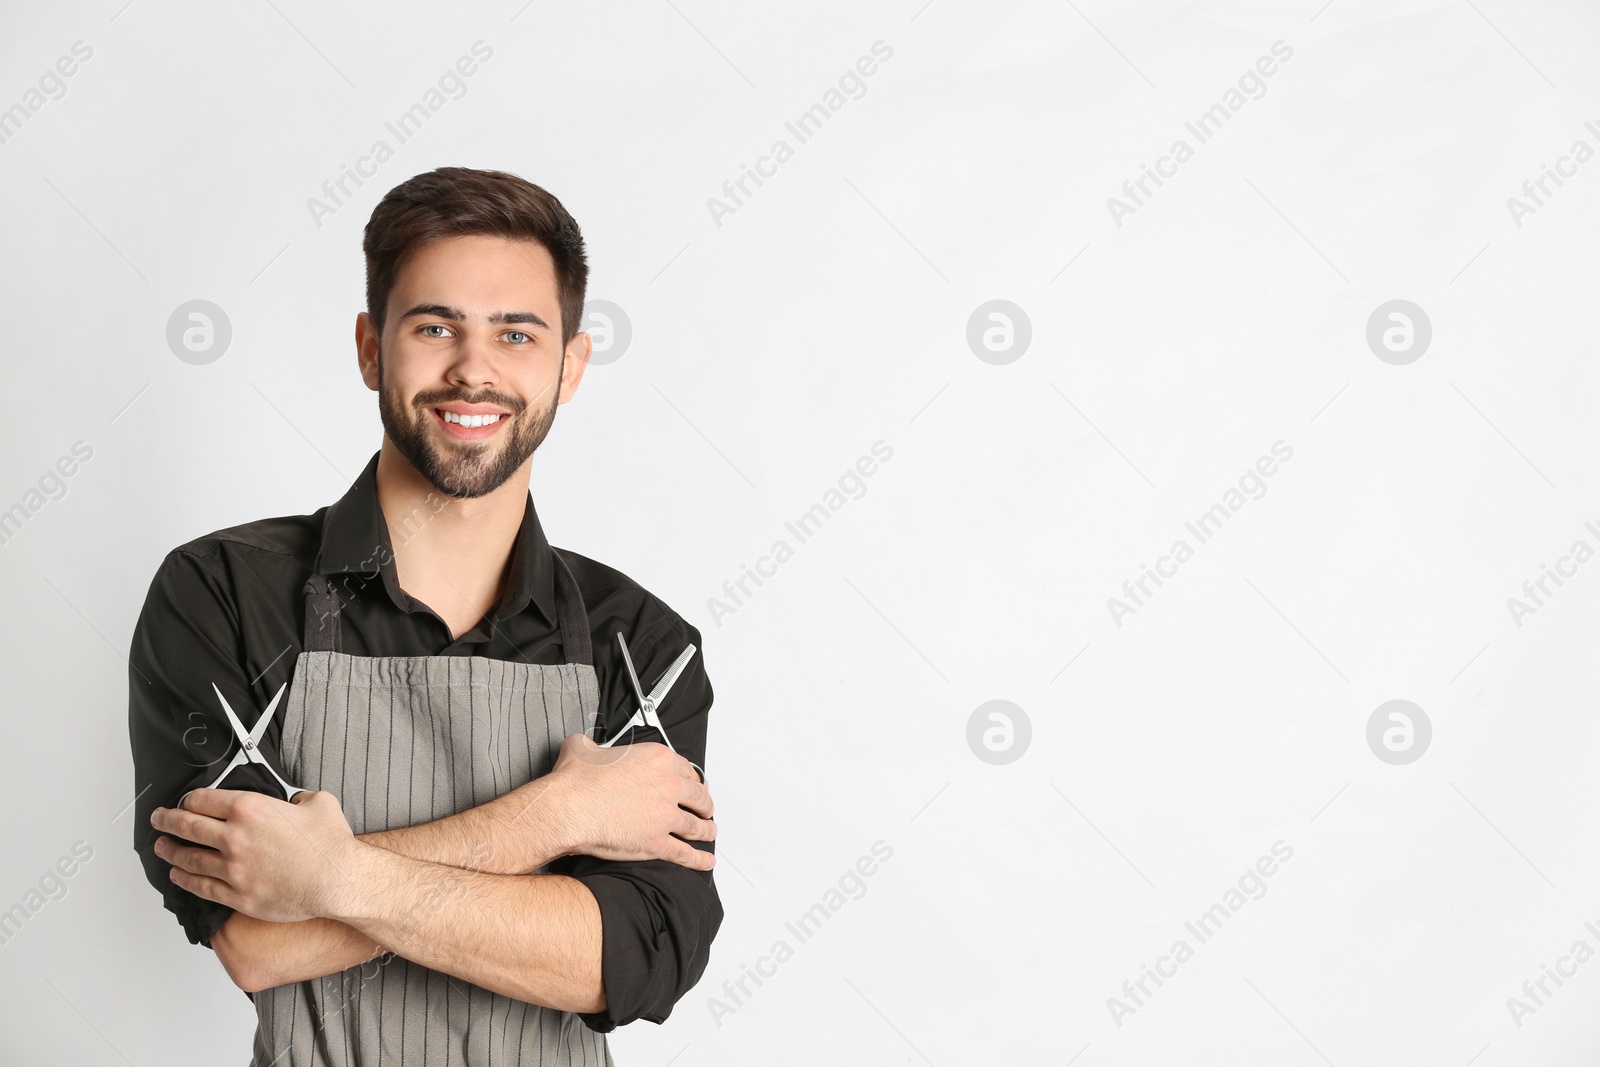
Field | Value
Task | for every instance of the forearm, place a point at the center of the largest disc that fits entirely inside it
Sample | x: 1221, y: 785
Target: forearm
x: 258, y: 954
x: 512, y: 834
x: 504, y: 836
x: 536, y: 939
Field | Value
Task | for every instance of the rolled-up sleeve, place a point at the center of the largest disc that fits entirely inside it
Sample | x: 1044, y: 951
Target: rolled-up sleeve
x: 186, y: 640
x: 657, y: 918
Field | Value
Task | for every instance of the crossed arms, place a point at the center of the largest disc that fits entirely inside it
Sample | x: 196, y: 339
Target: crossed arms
x: 310, y: 898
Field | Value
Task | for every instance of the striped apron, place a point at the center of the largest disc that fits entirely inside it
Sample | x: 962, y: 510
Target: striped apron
x: 403, y: 740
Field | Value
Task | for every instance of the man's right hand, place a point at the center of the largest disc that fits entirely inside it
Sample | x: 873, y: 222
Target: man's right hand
x: 628, y: 802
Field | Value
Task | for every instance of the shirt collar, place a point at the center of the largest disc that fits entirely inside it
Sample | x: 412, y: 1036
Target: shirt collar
x: 355, y: 538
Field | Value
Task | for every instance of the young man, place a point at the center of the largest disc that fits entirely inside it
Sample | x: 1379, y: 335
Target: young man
x: 468, y: 876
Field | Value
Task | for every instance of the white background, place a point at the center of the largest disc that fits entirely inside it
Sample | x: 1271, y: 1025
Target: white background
x: 769, y: 352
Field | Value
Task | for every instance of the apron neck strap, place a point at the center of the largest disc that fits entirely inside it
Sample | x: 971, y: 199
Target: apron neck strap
x: 323, y: 605
x: 574, y: 621
x: 322, y: 615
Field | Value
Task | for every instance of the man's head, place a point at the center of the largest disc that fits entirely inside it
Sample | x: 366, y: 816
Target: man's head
x: 475, y: 288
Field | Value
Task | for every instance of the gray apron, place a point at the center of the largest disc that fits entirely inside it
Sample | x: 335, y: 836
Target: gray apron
x: 403, y: 740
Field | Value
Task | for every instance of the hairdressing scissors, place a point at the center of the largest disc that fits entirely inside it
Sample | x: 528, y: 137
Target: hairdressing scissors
x: 249, y: 740
x: 646, y: 713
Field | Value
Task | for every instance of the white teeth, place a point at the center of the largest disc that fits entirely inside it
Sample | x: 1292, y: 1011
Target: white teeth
x: 470, y: 421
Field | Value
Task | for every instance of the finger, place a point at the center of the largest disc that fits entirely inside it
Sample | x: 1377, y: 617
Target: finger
x: 201, y: 829
x: 199, y: 861
x: 201, y: 886
x: 217, y: 803
x: 697, y: 798
x: 692, y: 829
x: 688, y: 856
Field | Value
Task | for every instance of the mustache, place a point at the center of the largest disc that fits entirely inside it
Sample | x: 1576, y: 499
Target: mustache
x: 511, y: 404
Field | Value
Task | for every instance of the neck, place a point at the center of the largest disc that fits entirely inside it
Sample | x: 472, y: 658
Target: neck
x: 449, y: 550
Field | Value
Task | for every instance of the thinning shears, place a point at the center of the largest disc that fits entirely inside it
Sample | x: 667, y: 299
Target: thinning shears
x: 250, y: 741
x: 646, y: 713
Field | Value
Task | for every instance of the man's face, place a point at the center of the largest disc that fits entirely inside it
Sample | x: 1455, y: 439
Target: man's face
x: 473, y: 327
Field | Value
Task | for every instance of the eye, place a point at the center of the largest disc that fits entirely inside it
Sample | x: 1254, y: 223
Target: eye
x: 435, y: 326
x: 517, y: 337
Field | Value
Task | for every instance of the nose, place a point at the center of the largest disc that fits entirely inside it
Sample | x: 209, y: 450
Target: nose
x: 472, y: 368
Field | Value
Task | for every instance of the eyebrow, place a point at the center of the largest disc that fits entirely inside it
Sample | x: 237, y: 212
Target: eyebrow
x: 457, y: 315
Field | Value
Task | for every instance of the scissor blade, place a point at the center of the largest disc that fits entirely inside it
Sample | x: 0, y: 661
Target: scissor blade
x: 665, y: 682
x: 633, y: 678
x: 260, y: 729
x: 233, y: 720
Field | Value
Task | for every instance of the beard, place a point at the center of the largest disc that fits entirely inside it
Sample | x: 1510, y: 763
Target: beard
x: 463, y: 469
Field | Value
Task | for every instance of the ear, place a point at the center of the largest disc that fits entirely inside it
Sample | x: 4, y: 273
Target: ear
x: 579, y: 349
x: 367, y: 350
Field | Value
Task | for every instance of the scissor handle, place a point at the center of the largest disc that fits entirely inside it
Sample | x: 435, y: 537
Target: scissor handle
x: 618, y: 735
x: 636, y: 721
x: 288, y: 790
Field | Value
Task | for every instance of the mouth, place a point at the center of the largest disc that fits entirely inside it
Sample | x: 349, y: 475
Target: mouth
x: 468, y: 427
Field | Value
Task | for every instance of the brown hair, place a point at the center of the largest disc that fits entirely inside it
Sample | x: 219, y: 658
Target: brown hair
x: 453, y: 201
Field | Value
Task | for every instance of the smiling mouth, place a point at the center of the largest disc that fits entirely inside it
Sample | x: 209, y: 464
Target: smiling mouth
x: 470, y: 421
x: 468, y: 427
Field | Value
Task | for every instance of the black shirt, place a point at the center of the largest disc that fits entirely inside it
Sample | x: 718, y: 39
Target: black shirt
x: 227, y: 608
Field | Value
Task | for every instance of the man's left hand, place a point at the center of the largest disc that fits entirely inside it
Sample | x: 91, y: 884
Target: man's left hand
x: 275, y: 860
